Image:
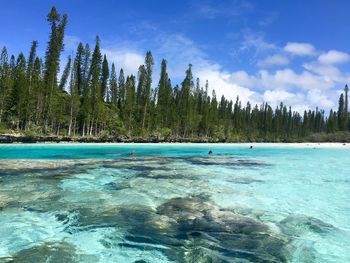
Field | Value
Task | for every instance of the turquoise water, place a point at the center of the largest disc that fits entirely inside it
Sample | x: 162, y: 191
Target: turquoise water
x: 174, y: 203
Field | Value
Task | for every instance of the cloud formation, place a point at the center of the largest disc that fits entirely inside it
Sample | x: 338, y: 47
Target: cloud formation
x: 300, y: 49
x: 273, y: 61
x: 315, y: 81
x: 128, y: 59
x: 315, y: 85
x: 333, y: 57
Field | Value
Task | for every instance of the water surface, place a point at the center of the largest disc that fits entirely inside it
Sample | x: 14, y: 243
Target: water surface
x: 173, y: 203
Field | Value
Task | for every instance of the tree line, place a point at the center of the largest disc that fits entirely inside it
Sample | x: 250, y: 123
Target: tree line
x: 93, y: 98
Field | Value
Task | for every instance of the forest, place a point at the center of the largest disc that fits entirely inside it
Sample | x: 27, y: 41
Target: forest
x: 92, y: 97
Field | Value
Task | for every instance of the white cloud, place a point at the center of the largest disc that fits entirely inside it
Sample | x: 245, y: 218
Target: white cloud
x: 243, y: 78
x: 313, y: 86
x: 275, y: 97
x: 273, y: 61
x: 302, y: 91
x: 180, y: 51
x: 256, y: 42
x: 300, y: 49
x: 329, y: 72
x: 321, y: 99
x: 222, y: 83
x: 333, y: 57
x: 287, y: 78
x: 128, y: 59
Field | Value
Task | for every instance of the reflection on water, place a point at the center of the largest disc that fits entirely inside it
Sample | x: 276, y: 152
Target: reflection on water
x: 167, y: 208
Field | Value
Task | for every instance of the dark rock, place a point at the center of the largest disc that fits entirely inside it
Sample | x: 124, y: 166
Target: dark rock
x: 116, y: 186
x: 195, y: 230
x: 297, y: 225
x: 224, y: 160
x: 47, y: 252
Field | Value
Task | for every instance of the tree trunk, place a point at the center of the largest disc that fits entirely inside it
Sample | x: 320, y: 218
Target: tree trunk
x: 84, y: 129
x: 74, y: 126
x: 91, y: 126
x: 58, y: 130
x: 70, y: 121
x: 144, y: 116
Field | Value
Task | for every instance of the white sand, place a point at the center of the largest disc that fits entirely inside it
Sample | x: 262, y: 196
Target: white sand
x: 304, y: 144
x: 254, y: 144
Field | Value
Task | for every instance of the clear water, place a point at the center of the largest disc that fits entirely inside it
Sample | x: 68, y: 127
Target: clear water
x: 174, y: 203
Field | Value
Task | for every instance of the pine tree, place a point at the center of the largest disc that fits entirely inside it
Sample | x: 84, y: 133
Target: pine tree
x: 19, y: 94
x: 346, y: 108
x: 31, y: 61
x: 37, y: 91
x: 90, y: 100
x: 5, y: 82
x: 74, y: 95
x: 121, y: 94
x: 146, y: 93
x: 140, y: 93
x: 332, y: 122
x: 104, y: 79
x: 130, y: 103
x: 95, y: 84
x: 79, y: 64
x: 86, y: 109
x: 65, y: 74
x: 52, y: 59
x: 185, y: 100
x: 213, y: 114
x: 86, y: 68
x: 113, y: 82
x: 341, y: 113
x: 31, y: 74
x: 162, y: 100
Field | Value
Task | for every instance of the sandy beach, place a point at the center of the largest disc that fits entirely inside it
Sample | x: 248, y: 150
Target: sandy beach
x: 248, y: 144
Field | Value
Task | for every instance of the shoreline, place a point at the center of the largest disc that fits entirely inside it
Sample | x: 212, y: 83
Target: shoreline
x: 50, y: 140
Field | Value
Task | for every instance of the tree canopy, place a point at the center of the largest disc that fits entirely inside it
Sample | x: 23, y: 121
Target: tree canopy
x: 94, y: 98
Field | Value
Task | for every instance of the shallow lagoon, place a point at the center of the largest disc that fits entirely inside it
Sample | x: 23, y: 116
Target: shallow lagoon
x: 174, y: 203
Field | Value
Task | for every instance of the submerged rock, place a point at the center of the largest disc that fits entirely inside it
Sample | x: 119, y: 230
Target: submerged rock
x: 194, y: 230
x: 47, y: 252
x: 224, y: 160
x: 298, y: 225
x: 20, y: 166
x: 116, y: 186
x: 245, y: 180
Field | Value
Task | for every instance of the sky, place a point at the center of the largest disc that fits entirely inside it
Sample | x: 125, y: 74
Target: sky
x: 294, y: 51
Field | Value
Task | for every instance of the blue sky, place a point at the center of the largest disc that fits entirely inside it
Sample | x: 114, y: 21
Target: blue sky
x: 291, y: 51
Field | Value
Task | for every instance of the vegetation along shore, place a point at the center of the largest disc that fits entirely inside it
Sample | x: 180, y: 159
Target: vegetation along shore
x: 94, y: 102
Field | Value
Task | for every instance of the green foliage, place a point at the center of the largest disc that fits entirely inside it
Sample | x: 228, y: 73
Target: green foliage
x: 340, y: 136
x: 91, y: 100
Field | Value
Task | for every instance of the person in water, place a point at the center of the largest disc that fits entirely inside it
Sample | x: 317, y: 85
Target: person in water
x: 251, y: 146
x: 210, y: 152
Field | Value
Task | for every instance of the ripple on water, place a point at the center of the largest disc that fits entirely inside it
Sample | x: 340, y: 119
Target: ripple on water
x: 153, y: 209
